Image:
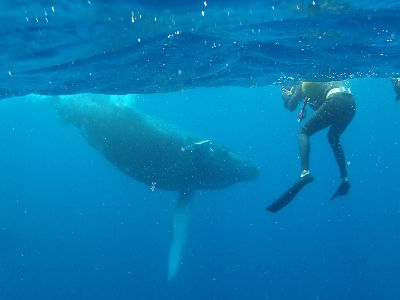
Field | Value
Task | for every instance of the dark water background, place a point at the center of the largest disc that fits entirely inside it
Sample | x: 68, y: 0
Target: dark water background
x: 74, y: 227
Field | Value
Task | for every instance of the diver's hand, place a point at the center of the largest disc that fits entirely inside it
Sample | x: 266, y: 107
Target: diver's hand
x: 291, y: 96
x: 343, y: 188
x: 287, y: 91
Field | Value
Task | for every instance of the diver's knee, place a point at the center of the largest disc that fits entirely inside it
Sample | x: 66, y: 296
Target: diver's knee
x: 333, y: 139
x: 303, y: 131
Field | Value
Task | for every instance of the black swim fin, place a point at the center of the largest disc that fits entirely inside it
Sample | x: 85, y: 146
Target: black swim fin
x: 342, y: 190
x: 289, y: 195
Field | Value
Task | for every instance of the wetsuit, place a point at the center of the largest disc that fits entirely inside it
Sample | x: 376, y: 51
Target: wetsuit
x: 334, y: 106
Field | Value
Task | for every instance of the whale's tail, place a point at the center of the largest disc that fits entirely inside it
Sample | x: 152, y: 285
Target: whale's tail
x: 180, y: 222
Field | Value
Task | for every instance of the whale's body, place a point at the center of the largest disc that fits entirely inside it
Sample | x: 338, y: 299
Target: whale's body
x: 154, y: 153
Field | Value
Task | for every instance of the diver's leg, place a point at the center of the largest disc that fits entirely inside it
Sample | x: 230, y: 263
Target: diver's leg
x: 345, y: 107
x: 344, y: 110
x: 334, y: 140
x: 318, y: 121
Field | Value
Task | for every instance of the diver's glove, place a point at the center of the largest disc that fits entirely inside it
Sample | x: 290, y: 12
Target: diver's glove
x: 343, y: 188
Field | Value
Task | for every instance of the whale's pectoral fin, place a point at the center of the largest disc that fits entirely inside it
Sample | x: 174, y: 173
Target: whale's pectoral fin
x: 180, y: 221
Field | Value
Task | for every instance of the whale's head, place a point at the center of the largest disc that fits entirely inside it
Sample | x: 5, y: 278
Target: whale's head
x: 225, y: 168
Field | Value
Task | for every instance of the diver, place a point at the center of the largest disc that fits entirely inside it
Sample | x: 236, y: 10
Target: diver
x: 334, y: 107
x: 396, y: 86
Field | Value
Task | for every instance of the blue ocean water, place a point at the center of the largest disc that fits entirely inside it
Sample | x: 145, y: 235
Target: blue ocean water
x: 72, y: 226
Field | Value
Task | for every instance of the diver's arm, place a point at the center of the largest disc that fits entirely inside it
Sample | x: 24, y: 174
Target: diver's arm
x: 291, y: 97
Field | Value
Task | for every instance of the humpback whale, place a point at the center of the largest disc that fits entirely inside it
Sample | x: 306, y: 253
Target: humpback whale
x: 155, y: 153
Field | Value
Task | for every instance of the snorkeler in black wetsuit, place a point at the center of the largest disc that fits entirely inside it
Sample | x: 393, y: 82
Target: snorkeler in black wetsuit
x: 334, y: 107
